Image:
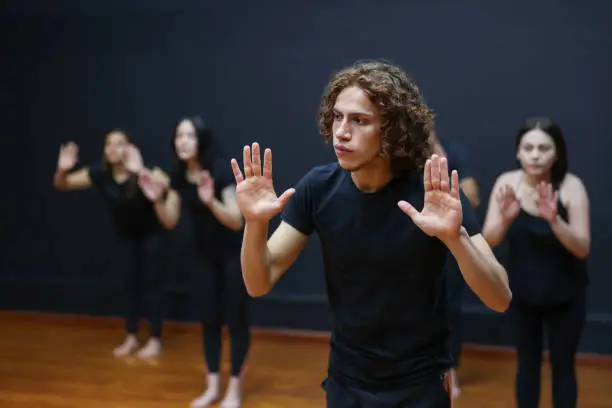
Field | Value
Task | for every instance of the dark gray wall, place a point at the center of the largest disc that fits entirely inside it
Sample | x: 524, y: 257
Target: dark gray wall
x: 76, y: 69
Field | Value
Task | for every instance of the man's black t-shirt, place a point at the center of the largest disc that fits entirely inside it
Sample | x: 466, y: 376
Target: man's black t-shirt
x: 384, y: 277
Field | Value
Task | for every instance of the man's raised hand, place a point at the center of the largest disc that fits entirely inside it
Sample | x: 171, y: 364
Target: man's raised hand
x: 255, y: 193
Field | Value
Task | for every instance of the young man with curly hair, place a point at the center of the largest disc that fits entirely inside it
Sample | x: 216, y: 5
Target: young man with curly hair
x: 383, y: 258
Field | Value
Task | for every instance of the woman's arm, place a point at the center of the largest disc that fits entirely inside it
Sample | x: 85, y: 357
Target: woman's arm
x: 495, y: 226
x: 226, y: 210
x: 168, y: 205
x: 75, y: 180
x: 575, y: 234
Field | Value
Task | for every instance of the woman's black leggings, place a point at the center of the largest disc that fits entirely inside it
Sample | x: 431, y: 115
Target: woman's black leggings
x: 143, y: 286
x: 224, y: 300
x: 564, y: 323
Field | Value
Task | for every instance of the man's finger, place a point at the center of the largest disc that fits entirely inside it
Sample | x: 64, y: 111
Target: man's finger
x: 455, y: 187
x: 256, y: 161
x: 444, y: 179
x: 267, y: 167
x: 435, y: 172
x: 407, y: 208
x: 427, y: 176
x: 246, y: 162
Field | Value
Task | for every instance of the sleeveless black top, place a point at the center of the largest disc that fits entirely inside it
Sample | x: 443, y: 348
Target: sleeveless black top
x: 541, y: 270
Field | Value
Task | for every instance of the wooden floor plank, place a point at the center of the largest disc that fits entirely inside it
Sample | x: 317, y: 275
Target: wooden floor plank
x: 64, y: 362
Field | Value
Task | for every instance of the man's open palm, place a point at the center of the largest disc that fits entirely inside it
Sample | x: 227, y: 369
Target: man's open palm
x: 255, y: 193
x: 442, y: 213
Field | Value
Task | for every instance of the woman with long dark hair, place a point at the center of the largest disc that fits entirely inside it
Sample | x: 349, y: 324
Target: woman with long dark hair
x: 204, y: 180
x: 141, y: 212
x: 543, y: 211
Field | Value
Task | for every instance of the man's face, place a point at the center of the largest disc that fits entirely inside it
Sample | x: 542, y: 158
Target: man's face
x: 356, y: 129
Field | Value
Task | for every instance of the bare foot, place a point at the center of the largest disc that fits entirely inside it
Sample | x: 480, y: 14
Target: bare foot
x: 455, y: 389
x: 129, y: 345
x: 211, y: 394
x: 151, y: 349
x: 233, y: 395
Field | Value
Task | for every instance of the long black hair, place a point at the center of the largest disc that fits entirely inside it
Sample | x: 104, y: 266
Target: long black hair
x: 560, y: 166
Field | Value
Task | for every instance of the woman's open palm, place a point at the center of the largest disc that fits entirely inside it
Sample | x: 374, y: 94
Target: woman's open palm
x: 255, y: 193
x: 151, y: 187
x: 68, y: 156
x: 509, y: 204
x: 546, y: 201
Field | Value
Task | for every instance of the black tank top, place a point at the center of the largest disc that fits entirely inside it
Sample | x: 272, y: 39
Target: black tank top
x: 541, y: 270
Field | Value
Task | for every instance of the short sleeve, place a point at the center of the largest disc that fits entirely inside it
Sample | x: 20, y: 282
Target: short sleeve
x: 299, y: 209
x: 96, y: 175
x: 470, y: 222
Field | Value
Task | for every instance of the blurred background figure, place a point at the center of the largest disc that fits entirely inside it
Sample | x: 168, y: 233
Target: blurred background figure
x: 137, y: 225
x: 206, y: 184
x: 458, y: 159
x: 543, y: 210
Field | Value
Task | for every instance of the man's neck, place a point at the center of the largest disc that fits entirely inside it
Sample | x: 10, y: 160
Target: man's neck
x: 373, y: 177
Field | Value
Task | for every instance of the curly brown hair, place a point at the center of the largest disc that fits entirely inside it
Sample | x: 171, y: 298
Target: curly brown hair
x: 405, y: 117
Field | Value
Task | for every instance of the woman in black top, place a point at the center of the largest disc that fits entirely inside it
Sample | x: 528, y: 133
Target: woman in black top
x: 139, y: 215
x: 544, y: 212
x: 206, y: 185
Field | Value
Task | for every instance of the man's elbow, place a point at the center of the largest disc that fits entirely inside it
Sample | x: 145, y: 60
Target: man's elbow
x: 501, y: 303
x: 257, y: 291
x: 255, y: 287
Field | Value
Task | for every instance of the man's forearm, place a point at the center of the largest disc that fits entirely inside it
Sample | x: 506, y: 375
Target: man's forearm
x: 255, y: 259
x: 574, y: 244
x: 481, y: 271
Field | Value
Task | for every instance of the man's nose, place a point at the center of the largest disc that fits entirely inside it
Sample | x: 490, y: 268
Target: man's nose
x: 342, y: 131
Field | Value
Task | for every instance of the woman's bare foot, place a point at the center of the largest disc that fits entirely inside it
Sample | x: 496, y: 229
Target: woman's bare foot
x: 152, y: 349
x: 211, y: 394
x: 129, y: 345
x: 233, y: 395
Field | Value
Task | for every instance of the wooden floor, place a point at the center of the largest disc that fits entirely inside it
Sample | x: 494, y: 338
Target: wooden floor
x: 64, y: 362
